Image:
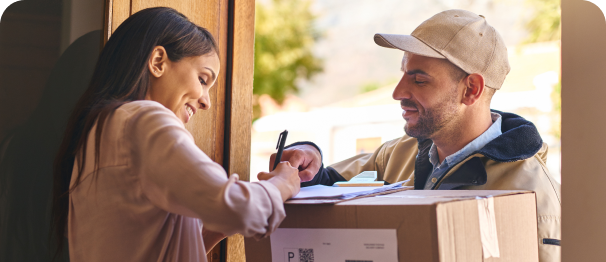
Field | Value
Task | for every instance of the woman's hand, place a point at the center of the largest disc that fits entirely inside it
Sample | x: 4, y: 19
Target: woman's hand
x: 285, y: 178
x: 211, y: 238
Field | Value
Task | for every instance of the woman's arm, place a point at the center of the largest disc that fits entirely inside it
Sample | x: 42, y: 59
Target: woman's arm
x: 178, y: 177
x: 285, y: 177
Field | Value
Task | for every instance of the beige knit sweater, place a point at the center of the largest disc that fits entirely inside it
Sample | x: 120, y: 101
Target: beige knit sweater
x: 155, y: 190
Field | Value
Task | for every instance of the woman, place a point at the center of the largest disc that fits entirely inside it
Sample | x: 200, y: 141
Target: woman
x: 130, y: 183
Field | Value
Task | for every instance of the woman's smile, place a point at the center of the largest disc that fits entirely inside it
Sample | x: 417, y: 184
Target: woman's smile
x: 189, y: 112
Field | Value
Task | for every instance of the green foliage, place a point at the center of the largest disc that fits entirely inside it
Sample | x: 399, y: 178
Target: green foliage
x: 284, y: 37
x: 546, y: 24
x: 369, y: 87
x: 556, y: 96
x: 374, y: 85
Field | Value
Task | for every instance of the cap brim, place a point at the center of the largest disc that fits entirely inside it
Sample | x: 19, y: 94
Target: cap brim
x: 406, y: 43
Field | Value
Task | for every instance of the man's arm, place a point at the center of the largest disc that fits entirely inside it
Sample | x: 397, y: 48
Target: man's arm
x: 307, y: 157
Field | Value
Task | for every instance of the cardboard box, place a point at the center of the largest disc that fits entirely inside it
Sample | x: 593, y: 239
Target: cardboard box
x: 431, y: 225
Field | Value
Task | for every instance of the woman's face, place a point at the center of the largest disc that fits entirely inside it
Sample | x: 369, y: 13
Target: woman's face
x: 182, y: 86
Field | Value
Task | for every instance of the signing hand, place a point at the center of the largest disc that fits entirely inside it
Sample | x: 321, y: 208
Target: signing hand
x: 285, y: 178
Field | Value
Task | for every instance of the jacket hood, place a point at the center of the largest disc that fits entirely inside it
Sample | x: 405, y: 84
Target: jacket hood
x: 519, y: 140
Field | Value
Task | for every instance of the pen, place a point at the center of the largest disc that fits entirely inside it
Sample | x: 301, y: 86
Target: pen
x: 280, y: 147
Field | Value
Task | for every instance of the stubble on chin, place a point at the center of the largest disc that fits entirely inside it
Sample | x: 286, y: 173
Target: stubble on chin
x: 423, y: 129
x: 432, y: 120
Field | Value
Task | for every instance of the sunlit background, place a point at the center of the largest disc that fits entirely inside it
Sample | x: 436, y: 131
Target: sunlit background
x: 319, y: 74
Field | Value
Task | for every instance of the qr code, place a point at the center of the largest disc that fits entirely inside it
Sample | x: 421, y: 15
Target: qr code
x: 306, y: 255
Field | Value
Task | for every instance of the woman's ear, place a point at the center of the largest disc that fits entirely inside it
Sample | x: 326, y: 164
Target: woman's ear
x: 158, y: 61
x: 474, y: 88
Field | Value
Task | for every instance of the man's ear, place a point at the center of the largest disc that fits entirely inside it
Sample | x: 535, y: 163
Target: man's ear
x: 474, y: 89
x: 158, y: 61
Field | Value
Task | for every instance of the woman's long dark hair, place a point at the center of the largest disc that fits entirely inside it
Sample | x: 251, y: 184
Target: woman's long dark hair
x: 121, y: 75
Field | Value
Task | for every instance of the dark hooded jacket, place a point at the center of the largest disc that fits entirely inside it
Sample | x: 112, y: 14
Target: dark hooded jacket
x: 513, y: 161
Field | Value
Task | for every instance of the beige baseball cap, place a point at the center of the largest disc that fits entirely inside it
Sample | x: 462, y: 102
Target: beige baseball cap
x: 460, y: 36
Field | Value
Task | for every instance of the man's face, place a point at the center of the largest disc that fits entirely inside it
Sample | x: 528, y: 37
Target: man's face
x: 428, y: 94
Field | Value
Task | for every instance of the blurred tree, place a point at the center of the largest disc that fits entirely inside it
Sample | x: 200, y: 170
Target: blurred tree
x: 371, y: 86
x: 556, y: 98
x: 284, y: 37
x: 545, y: 24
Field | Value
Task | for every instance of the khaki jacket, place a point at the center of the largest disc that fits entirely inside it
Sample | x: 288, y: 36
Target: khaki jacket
x: 503, y: 164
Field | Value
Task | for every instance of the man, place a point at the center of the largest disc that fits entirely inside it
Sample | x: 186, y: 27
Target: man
x: 453, y: 63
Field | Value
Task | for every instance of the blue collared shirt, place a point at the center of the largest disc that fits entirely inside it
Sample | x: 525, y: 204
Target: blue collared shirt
x: 439, y: 169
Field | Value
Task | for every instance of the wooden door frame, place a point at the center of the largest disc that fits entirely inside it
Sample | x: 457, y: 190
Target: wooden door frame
x: 238, y: 104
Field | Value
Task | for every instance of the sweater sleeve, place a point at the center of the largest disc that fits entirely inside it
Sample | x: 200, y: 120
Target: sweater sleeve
x: 176, y: 176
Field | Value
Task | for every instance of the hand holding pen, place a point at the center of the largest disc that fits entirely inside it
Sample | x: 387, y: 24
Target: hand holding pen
x: 283, y: 175
x: 280, y: 147
x: 306, y: 158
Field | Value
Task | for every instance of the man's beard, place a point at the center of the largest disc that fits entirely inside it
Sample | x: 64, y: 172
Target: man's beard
x: 431, y: 120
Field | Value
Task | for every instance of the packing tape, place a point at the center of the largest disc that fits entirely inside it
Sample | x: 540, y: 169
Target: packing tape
x: 488, y: 227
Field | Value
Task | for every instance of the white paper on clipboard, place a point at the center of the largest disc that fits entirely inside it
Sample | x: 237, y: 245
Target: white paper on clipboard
x: 329, y: 244
x: 330, y: 192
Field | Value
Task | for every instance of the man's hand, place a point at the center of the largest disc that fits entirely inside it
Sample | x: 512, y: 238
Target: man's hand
x: 305, y: 158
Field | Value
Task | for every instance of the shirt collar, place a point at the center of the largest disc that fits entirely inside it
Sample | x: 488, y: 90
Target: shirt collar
x: 490, y: 134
